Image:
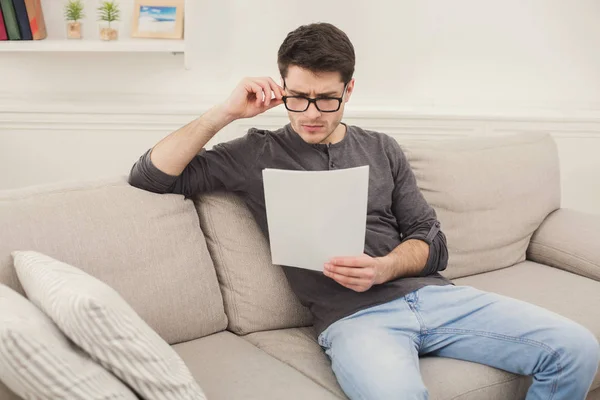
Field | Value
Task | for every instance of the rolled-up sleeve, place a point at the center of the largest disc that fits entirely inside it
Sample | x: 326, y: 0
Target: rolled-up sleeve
x: 224, y: 167
x: 416, y: 218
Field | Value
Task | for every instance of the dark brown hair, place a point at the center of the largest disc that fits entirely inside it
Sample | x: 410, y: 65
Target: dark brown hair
x: 319, y: 47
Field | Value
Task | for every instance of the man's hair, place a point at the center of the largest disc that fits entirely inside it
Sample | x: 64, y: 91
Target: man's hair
x: 319, y: 47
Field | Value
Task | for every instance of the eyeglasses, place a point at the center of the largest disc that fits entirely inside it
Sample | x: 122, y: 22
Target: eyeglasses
x: 323, y: 104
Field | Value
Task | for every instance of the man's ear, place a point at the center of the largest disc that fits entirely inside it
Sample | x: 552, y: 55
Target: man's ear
x: 349, y: 90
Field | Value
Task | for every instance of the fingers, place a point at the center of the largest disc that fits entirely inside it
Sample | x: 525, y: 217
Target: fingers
x: 356, y: 284
x: 266, y: 91
x: 258, y: 92
x: 278, y: 90
x: 355, y: 273
x: 275, y: 103
x: 363, y: 273
x: 361, y: 261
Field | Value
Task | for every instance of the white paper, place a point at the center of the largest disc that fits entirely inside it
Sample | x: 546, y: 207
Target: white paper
x: 314, y: 216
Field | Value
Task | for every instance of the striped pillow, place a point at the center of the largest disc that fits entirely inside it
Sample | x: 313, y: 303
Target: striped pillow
x: 96, y: 318
x: 38, y: 362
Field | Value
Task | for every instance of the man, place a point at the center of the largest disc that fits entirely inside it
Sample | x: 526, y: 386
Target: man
x: 375, y: 314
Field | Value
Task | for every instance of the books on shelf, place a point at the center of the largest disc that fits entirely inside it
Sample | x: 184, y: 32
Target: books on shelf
x: 22, y: 20
x: 3, y: 35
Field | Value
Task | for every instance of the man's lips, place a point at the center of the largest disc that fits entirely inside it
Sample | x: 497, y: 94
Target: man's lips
x: 312, y: 127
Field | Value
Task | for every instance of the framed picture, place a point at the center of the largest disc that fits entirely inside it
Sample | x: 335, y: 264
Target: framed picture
x: 158, y: 19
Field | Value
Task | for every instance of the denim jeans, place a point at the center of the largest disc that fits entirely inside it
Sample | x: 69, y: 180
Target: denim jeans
x: 374, y: 352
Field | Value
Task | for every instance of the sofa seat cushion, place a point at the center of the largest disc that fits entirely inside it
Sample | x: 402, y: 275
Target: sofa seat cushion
x: 228, y: 367
x: 453, y: 379
x: 298, y: 347
x: 445, y: 378
x: 564, y: 293
x: 148, y: 247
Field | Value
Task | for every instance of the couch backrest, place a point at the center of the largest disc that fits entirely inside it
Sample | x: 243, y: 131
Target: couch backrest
x: 490, y: 195
x: 148, y: 247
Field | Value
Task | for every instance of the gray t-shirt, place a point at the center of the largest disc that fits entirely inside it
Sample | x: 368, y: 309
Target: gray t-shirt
x: 396, y: 209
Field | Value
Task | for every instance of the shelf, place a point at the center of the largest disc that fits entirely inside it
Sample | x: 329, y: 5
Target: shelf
x: 94, y: 45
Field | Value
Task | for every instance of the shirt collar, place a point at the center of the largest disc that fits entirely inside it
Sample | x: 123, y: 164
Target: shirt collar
x: 318, y: 146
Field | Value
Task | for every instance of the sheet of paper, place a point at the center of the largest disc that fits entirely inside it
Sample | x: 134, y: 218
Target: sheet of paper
x: 314, y: 216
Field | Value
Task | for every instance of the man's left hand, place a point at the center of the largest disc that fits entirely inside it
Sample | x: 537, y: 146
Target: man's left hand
x: 358, y: 273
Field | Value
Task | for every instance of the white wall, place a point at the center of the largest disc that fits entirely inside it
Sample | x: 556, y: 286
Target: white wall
x: 461, y: 67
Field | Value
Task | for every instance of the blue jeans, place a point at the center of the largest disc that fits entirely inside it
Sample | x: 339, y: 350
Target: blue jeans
x: 374, y: 352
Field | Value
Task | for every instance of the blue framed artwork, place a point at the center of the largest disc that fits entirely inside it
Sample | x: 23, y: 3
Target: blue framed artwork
x: 158, y: 19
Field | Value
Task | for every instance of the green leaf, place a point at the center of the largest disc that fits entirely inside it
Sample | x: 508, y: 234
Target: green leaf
x: 74, y: 10
x: 109, y: 11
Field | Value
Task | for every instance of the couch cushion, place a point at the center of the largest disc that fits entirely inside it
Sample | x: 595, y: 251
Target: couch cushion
x: 455, y: 379
x: 6, y: 394
x: 490, y: 195
x: 564, y: 293
x: 99, y: 321
x: 228, y: 367
x: 298, y: 347
x: 445, y: 378
x: 148, y: 247
x: 256, y: 293
x: 38, y: 362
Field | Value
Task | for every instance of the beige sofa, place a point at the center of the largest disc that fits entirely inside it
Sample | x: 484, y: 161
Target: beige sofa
x: 198, y: 270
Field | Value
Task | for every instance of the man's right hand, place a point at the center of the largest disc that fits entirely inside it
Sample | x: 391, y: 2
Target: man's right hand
x: 252, y: 97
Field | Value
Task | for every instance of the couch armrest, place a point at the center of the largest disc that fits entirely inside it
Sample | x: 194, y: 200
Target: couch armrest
x: 569, y: 240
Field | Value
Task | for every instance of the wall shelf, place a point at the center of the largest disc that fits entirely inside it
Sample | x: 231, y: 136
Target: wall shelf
x: 87, y: 45
x: 57, y: 42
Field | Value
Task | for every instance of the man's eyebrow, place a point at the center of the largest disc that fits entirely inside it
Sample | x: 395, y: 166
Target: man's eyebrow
x: 326, y: 94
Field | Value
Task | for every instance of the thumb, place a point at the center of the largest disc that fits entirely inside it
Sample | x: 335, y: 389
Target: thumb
x: 274, y: 103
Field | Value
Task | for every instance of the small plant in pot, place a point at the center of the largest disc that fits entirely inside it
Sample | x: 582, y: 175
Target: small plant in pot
x: 74, y: 14
x: 108, y: 14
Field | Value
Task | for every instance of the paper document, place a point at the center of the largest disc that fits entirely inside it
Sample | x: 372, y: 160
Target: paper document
x: 314, y: 216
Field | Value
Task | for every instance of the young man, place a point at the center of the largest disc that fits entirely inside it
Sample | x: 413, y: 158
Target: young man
x: 375, y: 314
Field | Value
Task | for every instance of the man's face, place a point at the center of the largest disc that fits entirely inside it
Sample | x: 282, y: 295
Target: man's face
x: 312, y: 125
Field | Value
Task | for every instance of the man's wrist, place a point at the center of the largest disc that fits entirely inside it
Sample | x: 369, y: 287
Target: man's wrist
x: 389, y: 266
x: 219, y: 117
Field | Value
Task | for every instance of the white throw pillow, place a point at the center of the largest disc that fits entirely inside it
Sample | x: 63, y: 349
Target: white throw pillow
x: 98, y: 320
x: 38, y: 362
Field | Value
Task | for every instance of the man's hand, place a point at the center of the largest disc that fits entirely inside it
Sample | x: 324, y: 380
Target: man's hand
x: 358, y: 273
x: 361, y: 273
x: 253, y: 96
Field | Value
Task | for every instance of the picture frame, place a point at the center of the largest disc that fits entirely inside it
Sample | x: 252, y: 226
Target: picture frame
x: 158, y: 19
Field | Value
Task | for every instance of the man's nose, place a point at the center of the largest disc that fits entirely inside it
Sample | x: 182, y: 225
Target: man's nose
x: 312, y: 111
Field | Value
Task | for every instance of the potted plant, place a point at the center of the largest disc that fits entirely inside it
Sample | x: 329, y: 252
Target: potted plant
x: 73, y: 14
x: 108, y: 13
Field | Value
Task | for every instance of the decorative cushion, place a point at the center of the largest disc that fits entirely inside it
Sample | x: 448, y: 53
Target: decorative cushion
x: 98, y: 320
x: 38, y: 362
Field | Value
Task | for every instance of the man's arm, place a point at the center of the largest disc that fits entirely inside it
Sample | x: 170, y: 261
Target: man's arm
x: 174, y: 164
x: 423, y: 250
x: 417, y: 220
